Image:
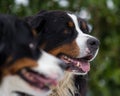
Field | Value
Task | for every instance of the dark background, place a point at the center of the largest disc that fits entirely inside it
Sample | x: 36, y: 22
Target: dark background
x: 104, y: 17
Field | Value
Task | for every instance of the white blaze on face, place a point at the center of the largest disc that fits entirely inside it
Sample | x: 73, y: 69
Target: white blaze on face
x: 49, y: 66
x: 81, y: 38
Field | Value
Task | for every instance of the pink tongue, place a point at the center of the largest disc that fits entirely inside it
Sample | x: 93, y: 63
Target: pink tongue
x: 85, y: 66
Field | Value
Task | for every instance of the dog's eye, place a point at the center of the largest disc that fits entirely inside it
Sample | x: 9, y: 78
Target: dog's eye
x: 83, y: 26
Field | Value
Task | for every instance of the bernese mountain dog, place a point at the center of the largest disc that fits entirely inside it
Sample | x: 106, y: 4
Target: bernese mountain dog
x: 25, y: 69
x: 65, y: 35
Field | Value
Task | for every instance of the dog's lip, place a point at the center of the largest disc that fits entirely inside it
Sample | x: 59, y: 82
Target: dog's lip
x: 36, y: 80
x: 87, y: 57
x: 79, y: 65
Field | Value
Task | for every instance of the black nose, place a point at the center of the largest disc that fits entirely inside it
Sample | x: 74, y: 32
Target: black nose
x: 93, y: 43
x: 64, y: 66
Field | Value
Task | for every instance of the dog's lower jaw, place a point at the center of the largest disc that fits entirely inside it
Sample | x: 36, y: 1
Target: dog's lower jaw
x: 10, y: 84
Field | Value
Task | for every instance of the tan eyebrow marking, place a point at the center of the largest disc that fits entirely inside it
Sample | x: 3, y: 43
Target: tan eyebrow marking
x: 65, y: 32
x: 83, y: 24
x: 70, y: 24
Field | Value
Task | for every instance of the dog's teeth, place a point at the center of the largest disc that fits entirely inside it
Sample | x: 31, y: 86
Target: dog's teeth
x: 78, y: 64
x: 65, y: 57
x: 69, y: 59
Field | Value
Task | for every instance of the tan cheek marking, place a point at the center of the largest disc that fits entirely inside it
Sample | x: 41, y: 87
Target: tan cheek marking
x: 70, y: 49
x: 19, y: 64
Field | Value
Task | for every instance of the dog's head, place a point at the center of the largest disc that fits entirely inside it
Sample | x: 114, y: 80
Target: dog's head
x: 65, y: 35
x: 24, y: 68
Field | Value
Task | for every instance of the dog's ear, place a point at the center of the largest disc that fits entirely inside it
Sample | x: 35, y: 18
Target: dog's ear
x: 28, y: 19
x: 42, y: 12
x: 37, y: 21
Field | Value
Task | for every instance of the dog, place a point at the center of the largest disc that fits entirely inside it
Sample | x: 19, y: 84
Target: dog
x: 65, y: 35
x: 25, y: 70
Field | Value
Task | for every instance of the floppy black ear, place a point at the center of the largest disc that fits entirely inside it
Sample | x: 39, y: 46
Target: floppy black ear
x: 28, y: 19
x: 42, y: 12
x: 37, y: 21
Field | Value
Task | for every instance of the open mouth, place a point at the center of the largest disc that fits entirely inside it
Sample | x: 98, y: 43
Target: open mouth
x: 78, y: 65
x: 36, y: 79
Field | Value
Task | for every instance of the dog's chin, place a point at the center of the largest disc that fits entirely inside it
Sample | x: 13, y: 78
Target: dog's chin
x: 78, y: 66
x: 36, y: 80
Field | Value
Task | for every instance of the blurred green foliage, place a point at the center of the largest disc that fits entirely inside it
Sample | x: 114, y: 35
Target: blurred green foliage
x: 104, y: 77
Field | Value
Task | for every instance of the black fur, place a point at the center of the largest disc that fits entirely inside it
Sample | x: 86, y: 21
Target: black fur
x: 43, y: 23
x: 81, y: 85
x: 15, y: 38
x: 53, y: 36
x: 18, y: 41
